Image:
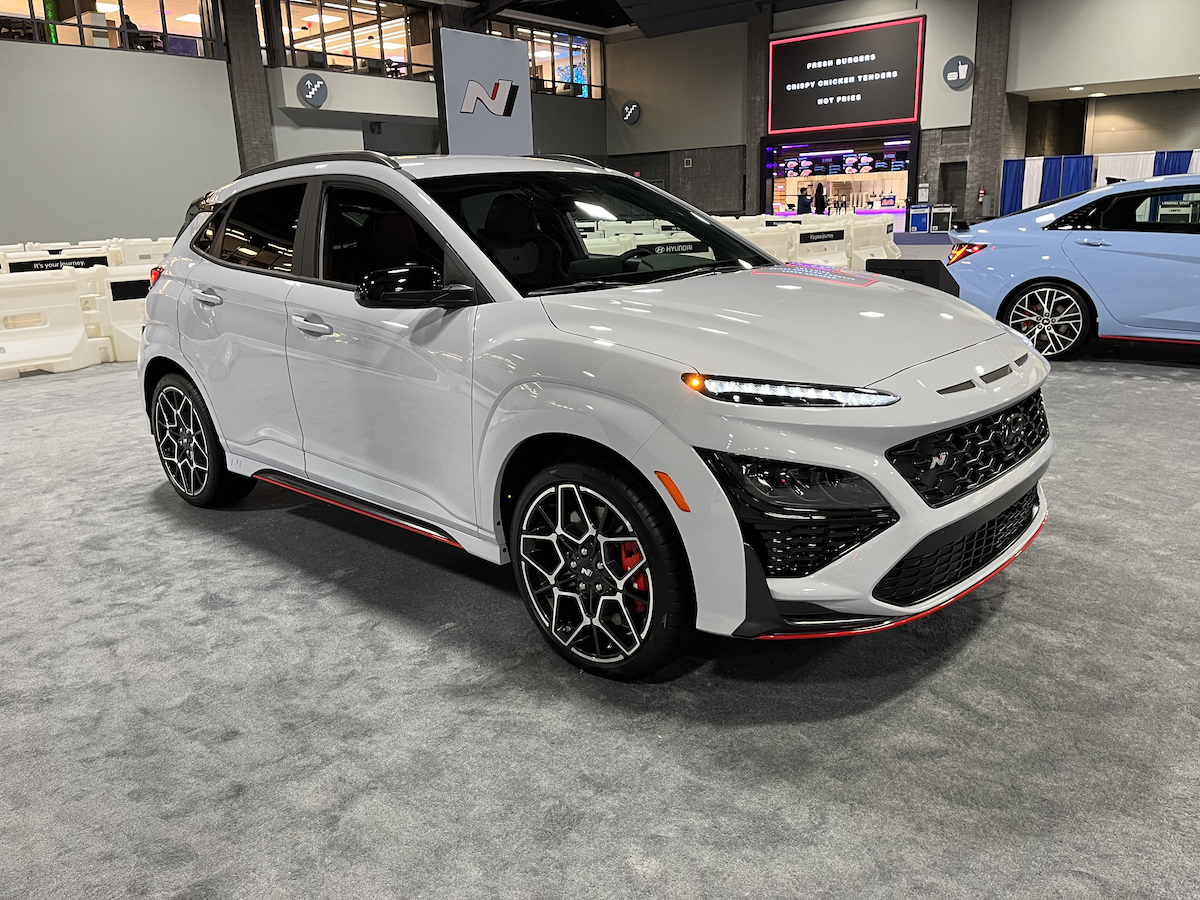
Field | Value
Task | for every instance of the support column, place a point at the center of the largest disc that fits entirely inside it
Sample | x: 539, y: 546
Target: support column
x: 758, y: 36
x: 248, y: 85
x: 997, y: 118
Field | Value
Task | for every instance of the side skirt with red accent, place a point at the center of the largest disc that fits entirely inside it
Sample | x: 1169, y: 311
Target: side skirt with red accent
x: 1123, y: 337
x: 353, y: 504
x: 884, y: 626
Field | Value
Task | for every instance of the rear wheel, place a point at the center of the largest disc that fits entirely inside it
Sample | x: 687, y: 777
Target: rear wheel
x: 602, y: 570
x: 188, y: 446
x: 1055, y: 317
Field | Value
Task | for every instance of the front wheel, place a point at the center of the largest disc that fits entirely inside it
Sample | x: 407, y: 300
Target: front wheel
x: 1055, y: 317
x: 602, y: 570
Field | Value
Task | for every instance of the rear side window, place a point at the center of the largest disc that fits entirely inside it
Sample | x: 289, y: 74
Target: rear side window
x: 260, y: 231
x: 206, y: 236
x: 1158, y: 211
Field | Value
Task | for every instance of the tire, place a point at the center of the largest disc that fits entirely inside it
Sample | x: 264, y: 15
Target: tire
x: 188, y: 447
x: 1056, y: 317
x: 626, y: 617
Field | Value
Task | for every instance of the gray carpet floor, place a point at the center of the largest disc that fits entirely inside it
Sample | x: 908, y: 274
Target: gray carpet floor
x: 285, y: 700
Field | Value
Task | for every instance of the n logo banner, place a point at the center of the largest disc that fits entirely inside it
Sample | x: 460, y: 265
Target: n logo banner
x: 499, y: 102
x: 485, y: 94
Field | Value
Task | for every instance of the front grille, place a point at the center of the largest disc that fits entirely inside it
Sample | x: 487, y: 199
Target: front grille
x: 949, y: 464
x: 919, y: 576
x: 793, y: 548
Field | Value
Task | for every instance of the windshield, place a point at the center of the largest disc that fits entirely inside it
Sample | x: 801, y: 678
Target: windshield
x: 564, y: 231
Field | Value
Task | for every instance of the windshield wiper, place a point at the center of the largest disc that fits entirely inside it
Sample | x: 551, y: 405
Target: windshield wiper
x: 592, y: 285
x: 706, y: 269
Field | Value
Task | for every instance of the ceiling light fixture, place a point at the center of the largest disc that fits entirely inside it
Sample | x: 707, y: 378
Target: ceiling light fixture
x: 1076, y: 88
x: 190, y: 17
x: 1098, y: 94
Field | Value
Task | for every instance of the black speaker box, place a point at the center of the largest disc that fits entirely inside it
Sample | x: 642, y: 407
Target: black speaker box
x: 923, y: 271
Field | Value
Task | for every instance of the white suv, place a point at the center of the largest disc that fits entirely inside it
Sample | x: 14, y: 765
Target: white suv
x: 552, y: 364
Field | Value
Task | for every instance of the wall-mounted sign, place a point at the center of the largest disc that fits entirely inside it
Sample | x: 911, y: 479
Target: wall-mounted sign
x: 485, y: 80
x: 313, y: 90
x: 631, y: 112
x: 866, y: 75
x: 958, y: 72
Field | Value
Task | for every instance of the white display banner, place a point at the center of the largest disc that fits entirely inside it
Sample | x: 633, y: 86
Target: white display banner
x: 486, y: 85
x: 1031, y: 190
x: 1130, y: 166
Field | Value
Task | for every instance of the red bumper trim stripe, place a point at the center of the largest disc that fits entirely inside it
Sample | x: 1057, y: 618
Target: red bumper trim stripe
x: 886, y: 625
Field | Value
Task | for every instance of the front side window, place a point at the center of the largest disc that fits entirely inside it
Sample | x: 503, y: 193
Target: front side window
x: 260, y: 231
x: 363, y: 232
x: 552, y: 231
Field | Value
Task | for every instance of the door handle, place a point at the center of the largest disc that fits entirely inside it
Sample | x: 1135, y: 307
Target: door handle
x: 1088, y: 242
x: 314, y: 328
x: 207, y: 296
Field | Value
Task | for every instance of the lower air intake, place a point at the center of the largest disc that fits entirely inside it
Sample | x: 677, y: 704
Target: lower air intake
x: 918, y: 577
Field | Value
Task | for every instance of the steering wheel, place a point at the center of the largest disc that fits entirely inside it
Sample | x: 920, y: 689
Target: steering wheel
x: 635, y: 254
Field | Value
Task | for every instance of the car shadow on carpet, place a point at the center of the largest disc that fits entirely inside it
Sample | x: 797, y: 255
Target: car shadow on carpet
x: 432, y: 586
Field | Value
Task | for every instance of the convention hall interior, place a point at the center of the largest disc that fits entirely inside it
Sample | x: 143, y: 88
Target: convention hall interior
x: 599, y: 448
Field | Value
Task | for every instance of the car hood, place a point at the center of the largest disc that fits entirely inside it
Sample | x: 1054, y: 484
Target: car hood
x: 783, y: 323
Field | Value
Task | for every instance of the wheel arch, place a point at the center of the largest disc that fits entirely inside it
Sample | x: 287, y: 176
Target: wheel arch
x: 156, y: 369
x: 538, y: 451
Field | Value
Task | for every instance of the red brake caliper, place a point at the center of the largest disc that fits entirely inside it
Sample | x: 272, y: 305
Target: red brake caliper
x: 630, y: 557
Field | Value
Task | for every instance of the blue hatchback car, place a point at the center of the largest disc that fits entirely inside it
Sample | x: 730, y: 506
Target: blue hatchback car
x: 1119, y: 261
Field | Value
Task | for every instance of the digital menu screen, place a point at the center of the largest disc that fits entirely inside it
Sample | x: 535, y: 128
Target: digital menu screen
x: 866, y: 75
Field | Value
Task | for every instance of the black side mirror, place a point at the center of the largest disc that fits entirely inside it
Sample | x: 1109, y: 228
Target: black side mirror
x: 411, y: 287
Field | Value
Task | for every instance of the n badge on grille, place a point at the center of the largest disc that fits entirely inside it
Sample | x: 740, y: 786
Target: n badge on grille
x: 939, y: 460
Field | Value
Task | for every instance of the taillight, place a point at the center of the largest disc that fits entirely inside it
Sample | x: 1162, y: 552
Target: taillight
x: 963, y: 250
x: 155, y: 274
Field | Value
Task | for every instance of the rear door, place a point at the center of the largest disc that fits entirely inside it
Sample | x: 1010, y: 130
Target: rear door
x: 1142, y: 259
x: 233, y: 323
x: 384, y: 395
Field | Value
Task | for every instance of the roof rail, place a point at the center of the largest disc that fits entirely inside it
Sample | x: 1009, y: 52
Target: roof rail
x: 567, y: 157
x: 341, y: 156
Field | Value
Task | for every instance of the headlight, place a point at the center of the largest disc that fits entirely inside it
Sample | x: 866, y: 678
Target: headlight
x: 792, y: 487
x: 784, y: 393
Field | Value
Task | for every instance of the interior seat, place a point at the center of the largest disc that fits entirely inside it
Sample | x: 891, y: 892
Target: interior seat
x: 510, y: 233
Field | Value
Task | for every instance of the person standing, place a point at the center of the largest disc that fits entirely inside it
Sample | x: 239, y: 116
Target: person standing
x: 804, y: 202
x: 819, y: 204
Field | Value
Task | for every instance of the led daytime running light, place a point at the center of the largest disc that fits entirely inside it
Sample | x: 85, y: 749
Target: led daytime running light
x: 778, y: 393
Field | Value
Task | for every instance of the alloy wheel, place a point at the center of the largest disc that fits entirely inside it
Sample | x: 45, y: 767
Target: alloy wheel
x: 587, y: 574
x: 1052, y: 318
x: 182, y: 446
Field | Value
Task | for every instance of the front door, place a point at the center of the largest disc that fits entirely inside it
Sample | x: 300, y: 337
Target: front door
x: 384, y: 395
x: 1143, y: 261
x: 233, y: 324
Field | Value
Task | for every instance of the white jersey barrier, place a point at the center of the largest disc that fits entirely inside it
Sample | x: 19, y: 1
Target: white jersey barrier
x: 42, y: 326
x: 872, y: 239
x: 114, y: 303
x: 43, y: 257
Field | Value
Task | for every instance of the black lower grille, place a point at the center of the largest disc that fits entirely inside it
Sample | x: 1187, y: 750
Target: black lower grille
x: 793, y: 548
x: 919, y: 576
x: 949, y: 464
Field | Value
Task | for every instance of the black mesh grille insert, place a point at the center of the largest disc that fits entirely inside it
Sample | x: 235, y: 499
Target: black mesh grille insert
x: 794, y: 548
x: 918, y: 577
x: 949, y: 464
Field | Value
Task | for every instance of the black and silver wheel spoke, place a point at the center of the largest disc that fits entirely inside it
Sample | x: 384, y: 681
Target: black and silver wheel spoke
x: 586, y: 572
x: 180, y: 439
x: 1051, y: 318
